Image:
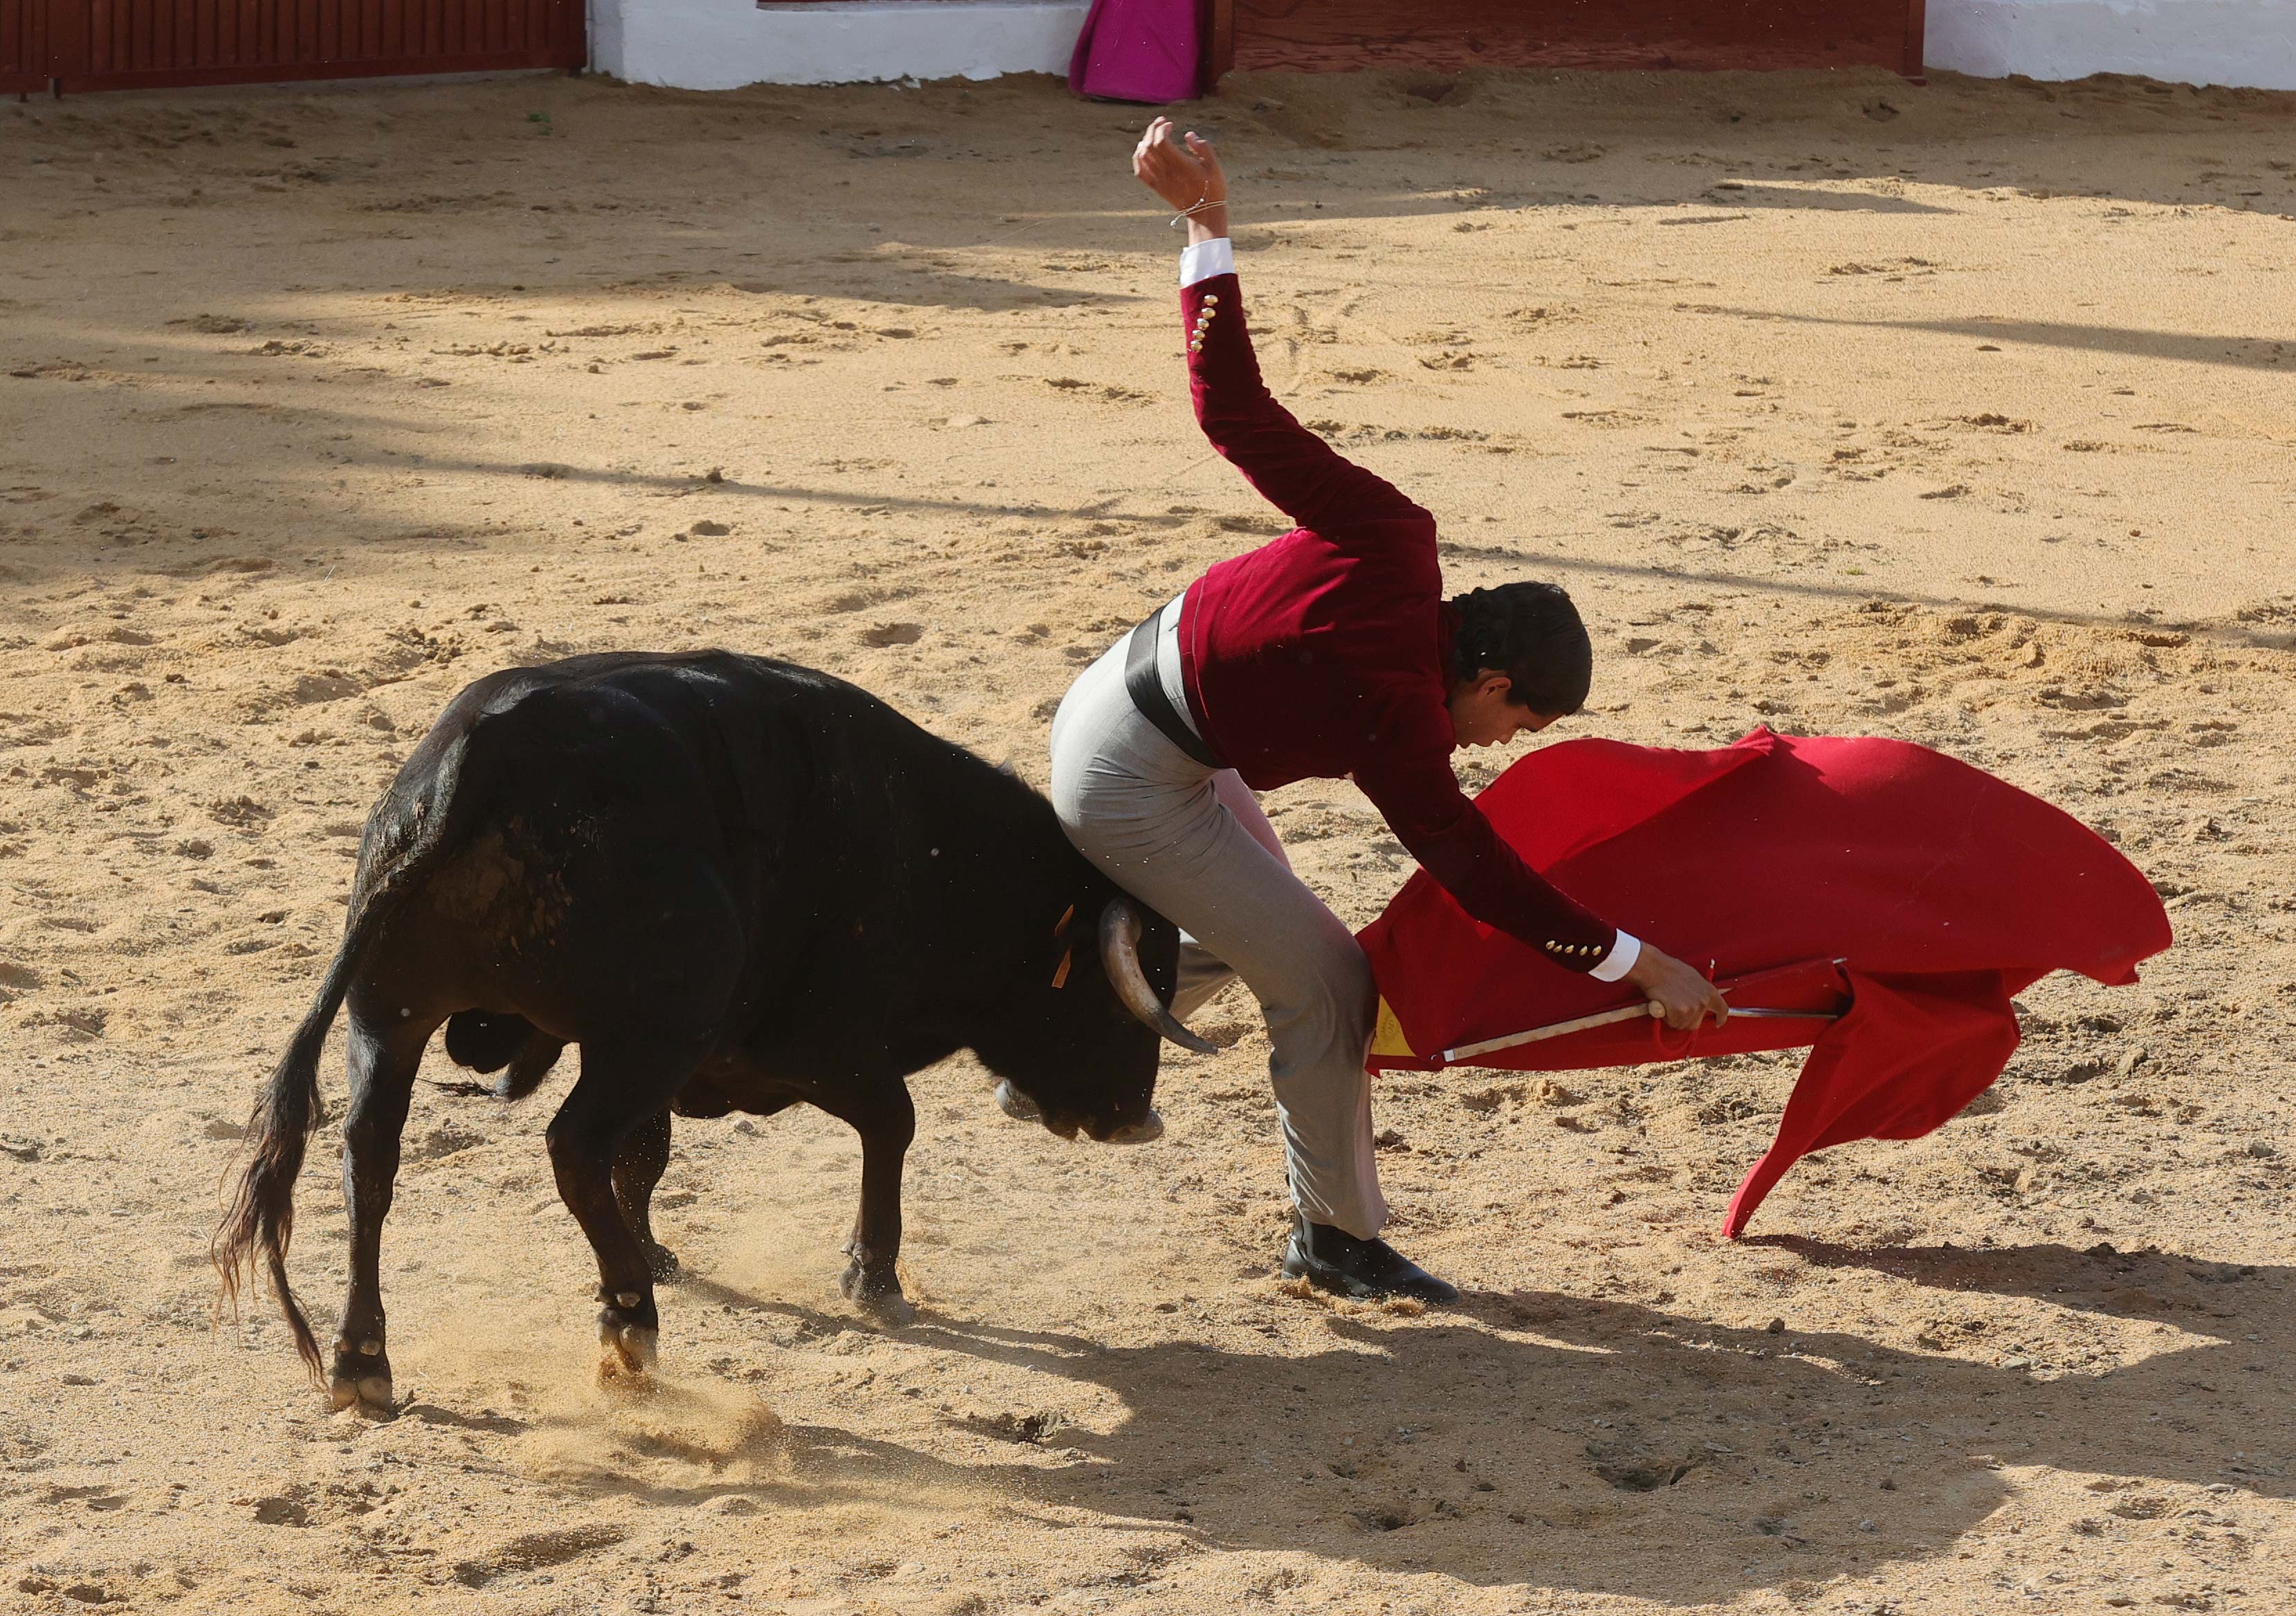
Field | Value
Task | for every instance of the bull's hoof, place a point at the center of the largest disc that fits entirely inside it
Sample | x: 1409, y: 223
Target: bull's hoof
x: 627, y: 1355
x: 628, y: 1329
x: 662, y: 1264
x: 877, y: 1293
x: 370, y: 1394
x: 361, y: 1381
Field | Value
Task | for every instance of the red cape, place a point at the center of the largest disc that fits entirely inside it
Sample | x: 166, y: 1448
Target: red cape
x: 1916, y: 891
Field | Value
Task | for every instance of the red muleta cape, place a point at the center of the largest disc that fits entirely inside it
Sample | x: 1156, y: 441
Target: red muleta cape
x: 1814, y: 873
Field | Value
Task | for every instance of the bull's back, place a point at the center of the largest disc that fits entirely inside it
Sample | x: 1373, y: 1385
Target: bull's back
x: 634, y: 830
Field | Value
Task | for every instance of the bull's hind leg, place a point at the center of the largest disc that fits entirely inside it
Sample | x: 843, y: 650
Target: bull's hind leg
x: 887, y: 1121
x: 384, y: 1056
x: 637, y: 1170
x: 621, y: 1088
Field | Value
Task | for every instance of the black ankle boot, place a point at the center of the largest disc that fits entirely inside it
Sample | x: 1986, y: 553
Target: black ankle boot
x: 1338, y: 1261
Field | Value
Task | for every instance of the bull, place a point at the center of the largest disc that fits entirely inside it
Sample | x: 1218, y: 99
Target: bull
x: 738, y: 885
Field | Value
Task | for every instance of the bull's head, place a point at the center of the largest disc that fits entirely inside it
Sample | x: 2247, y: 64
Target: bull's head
x: 1092, y: 1067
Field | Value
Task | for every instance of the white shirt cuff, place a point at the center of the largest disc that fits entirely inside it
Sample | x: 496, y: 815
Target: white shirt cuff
x: 1622, y: 956
x: 1206, y: 259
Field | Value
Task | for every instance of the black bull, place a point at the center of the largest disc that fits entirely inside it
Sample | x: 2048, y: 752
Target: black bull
x: 738, y: 885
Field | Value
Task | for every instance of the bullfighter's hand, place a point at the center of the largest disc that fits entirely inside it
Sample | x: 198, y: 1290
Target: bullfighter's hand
x: 1686, y: 997
x: 1183, y: 174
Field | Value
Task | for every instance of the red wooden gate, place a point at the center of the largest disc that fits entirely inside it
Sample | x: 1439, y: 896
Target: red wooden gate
x: 23, y: 46
x: 1449, y: 35
x: 117, y: 44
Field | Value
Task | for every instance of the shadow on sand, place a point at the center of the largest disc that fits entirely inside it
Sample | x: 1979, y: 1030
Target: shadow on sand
x: 1613, y: 1448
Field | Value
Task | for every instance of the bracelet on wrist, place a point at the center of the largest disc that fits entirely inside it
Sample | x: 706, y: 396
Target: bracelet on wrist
x: 1203, y: 204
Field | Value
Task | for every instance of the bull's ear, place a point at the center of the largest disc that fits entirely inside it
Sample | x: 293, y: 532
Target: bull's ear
x: 1065, y: 940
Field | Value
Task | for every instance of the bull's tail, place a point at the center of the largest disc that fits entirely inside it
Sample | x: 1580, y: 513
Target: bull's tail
x: 404, y: 837
x: 262, y: 1217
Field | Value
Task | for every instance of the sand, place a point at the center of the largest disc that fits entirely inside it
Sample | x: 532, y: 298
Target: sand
x: 1960, y: 413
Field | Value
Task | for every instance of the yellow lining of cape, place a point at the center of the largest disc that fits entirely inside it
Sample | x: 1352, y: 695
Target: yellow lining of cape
x: 1386, y: 1037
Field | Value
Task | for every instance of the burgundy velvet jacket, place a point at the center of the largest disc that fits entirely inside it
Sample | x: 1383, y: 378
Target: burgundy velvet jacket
x: 1327, y: 652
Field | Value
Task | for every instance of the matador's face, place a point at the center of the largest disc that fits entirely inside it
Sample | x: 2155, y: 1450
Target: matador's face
x: 1483, y: 712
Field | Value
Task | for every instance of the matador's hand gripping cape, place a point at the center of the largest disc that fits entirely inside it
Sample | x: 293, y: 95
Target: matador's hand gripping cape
x: 1910, y: 893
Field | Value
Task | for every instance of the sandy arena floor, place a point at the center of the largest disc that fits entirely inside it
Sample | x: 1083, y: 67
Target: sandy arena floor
x: 1964, y: 414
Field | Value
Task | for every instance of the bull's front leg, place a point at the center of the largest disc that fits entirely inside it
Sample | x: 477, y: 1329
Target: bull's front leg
x: 887, y: 1121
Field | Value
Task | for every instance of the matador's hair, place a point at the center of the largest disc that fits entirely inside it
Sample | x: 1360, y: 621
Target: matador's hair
x: 1531, y: 633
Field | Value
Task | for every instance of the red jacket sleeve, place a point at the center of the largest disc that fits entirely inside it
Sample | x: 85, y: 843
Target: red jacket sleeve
x: 1295, y: 471
x: 1413, y: 787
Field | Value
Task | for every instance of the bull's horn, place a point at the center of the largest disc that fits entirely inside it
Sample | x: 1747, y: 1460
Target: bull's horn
x: 1120, y: 956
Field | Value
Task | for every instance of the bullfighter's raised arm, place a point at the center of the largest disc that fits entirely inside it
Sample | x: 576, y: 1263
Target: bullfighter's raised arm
x: 1294, y: 469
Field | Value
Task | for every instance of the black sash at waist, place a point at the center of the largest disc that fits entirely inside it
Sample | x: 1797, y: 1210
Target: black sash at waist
x: 1145, y: 685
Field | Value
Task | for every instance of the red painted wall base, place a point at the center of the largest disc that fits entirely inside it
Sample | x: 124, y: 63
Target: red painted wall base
x: 1444, y: 35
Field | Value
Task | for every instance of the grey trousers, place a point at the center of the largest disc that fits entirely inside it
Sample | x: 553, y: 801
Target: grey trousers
x: 1192, y: 844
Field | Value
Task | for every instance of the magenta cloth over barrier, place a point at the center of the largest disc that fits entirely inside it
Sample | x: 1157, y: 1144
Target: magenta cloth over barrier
x: 1137, y: 50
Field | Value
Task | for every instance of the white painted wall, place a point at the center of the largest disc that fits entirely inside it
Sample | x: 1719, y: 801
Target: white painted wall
x: 2228, y: 41
x: 722, y: 44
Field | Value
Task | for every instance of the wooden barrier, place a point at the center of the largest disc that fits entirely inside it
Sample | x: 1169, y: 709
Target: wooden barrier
x: 105, y: 45
x: 1444, y: 35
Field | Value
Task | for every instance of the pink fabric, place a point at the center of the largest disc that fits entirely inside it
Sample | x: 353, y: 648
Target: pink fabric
x: 1921, y: 890
x: 1137, y: 50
